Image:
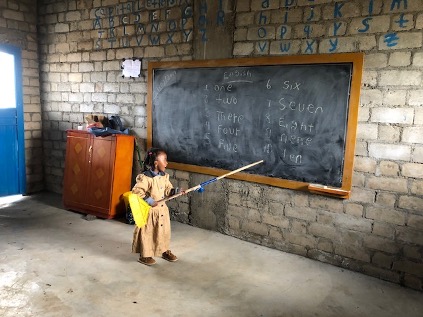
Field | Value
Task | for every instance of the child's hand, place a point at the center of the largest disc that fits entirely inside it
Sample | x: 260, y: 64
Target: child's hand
x: 155, y: 204
x: 177, y: 191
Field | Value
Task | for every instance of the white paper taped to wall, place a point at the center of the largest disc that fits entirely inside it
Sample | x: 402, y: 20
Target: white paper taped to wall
x: 131, y: 68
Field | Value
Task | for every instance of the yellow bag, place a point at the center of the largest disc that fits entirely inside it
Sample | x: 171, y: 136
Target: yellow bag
x: 139, y: 208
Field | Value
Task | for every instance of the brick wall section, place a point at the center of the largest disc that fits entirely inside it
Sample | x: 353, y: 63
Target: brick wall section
x: 18, y: 28
x: 371, y: 231
x: 82, y: 44
x: 379, y: 231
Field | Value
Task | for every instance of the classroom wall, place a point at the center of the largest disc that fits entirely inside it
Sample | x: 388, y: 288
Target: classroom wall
x: 378, y: 231
x: 18, y: 27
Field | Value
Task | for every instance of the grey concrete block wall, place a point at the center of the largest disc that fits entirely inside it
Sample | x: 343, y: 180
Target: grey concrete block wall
x: 378, y: 231
x: 18, y: 27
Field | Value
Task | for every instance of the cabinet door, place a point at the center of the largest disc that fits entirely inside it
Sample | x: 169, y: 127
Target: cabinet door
x: 101, y: 157
x: 76, y: 169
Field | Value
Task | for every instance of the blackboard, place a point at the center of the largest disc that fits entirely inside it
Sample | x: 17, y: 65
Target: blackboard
x: 298, y: 114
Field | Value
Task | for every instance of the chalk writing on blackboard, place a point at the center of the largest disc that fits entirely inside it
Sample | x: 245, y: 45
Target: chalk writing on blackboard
x: 294, y: 116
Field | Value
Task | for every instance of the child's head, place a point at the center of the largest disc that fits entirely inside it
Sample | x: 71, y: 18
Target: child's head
x: 156, y: 160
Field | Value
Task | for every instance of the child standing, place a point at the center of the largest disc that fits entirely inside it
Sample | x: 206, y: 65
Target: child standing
x: 153, y: 185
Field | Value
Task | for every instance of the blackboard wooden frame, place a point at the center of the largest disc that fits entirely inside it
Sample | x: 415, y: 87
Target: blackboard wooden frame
x: 356, y: 59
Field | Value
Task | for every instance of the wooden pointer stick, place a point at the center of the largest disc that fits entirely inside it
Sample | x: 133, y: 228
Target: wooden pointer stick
x: 210, y: 181
x: 140, y: 208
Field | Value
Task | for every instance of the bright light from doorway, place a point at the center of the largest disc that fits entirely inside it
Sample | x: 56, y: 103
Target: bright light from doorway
x: 9, y: 200
x: 7, y: 81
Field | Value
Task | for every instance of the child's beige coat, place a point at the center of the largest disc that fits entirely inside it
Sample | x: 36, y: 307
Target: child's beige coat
x: 154, y: 238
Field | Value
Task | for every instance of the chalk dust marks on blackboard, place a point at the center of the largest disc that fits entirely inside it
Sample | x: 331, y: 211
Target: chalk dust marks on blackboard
x: 292, y: 116
x: 292, y: 111
x: 162, y: 80
x: 177, y: 106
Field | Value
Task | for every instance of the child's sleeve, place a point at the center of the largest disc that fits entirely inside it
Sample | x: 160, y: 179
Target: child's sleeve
x: 142, y: 188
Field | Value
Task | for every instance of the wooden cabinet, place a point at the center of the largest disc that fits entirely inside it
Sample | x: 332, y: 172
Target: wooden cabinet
x: 98, y: 170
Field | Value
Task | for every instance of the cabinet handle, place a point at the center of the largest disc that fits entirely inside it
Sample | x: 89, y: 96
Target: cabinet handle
x: 90, y: 151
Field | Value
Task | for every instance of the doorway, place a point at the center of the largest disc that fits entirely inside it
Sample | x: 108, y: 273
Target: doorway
x: 12, y: 145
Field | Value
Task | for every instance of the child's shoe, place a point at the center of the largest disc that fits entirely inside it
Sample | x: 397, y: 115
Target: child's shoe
x: 147, y: 261
x: 169, y: 256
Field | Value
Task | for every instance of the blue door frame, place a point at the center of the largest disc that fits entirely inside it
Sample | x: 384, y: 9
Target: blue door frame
x: 12, y: 140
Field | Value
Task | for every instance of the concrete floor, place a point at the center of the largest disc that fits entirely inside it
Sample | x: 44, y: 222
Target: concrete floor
x: 54, y: 262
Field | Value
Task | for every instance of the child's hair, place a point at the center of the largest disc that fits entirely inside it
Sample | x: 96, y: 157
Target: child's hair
x: 151, y: 157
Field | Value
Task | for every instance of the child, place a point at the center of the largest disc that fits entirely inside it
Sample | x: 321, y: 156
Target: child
x: 153, y: 185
